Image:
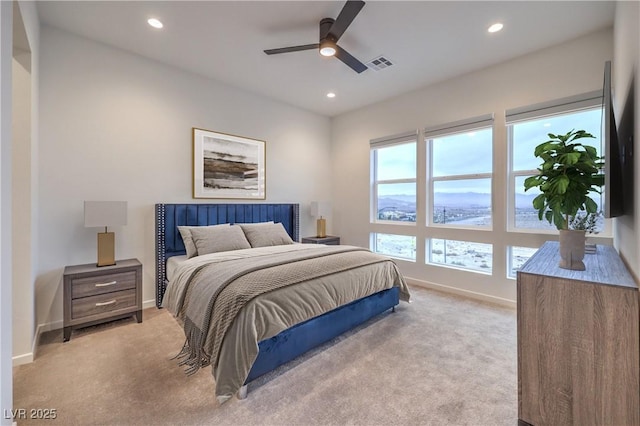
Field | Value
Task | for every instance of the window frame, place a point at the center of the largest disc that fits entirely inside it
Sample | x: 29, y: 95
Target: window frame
x: 386, y: 142
x: 428, y: 138
x: 429, y: 253
x: 373, y: 246
x: 590, y: 101
x: 509, y: 259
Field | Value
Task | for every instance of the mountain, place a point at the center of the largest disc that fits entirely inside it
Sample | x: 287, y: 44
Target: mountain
x: 466, y: 199
x: 405, y: 203
x: 525, y: 201
x: 461, y: 199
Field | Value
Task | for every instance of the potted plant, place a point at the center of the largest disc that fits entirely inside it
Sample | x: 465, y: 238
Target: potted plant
x: 569, y: 172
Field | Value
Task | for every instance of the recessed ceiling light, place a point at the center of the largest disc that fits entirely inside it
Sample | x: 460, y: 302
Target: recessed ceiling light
x: 331, y: 95
x: 155, y: 23
x: 495, y: 27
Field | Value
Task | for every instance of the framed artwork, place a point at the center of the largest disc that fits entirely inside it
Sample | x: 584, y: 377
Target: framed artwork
x: 227, y: 166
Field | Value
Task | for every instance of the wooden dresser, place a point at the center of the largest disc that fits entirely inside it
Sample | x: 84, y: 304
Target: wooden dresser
x: 578, y: 341
x: 93, y: 294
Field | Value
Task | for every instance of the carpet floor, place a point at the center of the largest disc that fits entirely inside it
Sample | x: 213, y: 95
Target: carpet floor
x: 441, y: 360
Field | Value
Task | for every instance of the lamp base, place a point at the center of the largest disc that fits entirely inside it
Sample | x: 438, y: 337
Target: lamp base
x: 106, y: 248
x: 321, y: 225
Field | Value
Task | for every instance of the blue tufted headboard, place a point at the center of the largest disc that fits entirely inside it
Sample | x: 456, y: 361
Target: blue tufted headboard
x: 170, y: 216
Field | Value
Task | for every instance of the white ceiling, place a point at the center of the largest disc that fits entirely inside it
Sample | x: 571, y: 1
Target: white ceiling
x: 427, y: 41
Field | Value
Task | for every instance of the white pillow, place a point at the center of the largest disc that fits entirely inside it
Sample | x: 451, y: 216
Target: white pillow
x: 263, y: 235
x: 185, y: 232
x: 216, y: 239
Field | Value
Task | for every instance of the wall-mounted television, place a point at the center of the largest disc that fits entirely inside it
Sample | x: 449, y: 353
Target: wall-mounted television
x: 618, y: 150
x: 626, y: 129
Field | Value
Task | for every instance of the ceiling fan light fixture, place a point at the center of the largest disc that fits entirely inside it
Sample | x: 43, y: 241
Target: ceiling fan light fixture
x: 327, y: 48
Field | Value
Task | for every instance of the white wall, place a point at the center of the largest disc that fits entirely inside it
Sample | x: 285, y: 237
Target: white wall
x: 25, y: 171
x: 571, y: 68
x: 116, y: 126
x: 23, y: 297
x: 626, y: 65
x: 6, y: 47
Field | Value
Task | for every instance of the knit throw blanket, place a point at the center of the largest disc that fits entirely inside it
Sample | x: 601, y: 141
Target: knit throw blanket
x: 213, y: 294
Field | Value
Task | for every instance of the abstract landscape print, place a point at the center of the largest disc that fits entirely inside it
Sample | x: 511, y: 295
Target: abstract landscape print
x: 227, y: 166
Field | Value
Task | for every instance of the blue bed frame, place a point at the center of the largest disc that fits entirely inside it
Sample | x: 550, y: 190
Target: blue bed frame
x: 294, y: 341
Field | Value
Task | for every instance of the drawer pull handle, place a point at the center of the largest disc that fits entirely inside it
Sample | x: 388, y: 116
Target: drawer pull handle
x: 110, y: 302
x: 107, y: 284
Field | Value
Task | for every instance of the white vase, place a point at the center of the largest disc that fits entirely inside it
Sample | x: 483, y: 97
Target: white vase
x: 572, y: 249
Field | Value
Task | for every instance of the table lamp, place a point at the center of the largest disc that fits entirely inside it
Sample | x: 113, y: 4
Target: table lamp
x: 320, y: 209
x: 105, y: 213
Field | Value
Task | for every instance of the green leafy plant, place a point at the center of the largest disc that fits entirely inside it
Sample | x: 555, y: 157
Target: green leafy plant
x: 569, y: 172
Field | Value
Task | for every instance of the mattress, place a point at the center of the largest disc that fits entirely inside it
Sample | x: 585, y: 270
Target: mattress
x: 172, y: 264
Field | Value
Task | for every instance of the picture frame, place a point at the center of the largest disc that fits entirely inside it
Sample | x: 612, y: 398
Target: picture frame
x: 228, y: 166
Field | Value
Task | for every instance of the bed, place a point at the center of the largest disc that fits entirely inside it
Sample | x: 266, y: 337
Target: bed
x: 273, y: 327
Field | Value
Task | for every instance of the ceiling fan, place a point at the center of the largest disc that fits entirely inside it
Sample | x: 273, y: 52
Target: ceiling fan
x: 330, y: 32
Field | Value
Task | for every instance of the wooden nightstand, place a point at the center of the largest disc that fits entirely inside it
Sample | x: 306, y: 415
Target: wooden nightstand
x: 329, y: 240
x: 93, y: 295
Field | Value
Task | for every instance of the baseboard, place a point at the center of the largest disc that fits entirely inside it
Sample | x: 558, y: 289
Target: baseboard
x: 22, y: 359
x: 149, y: 304
x: 460, y: 292
x: 49, y: 326
x: 30, y: 356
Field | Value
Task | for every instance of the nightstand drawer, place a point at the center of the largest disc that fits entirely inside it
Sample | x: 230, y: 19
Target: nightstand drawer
x: 100, y: 284
x: 102, y: 303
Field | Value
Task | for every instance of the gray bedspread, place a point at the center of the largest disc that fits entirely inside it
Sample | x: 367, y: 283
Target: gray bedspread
x: 230, y: 301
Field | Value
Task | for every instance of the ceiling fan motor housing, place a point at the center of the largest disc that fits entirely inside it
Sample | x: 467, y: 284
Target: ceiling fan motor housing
x: 325, y: 25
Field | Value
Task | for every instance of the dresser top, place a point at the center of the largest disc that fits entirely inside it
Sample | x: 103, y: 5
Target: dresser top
x: 602, y: 267
x: 92, y: 267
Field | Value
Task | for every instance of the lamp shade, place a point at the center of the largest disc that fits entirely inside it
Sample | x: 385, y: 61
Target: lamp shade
x: 105, y: 213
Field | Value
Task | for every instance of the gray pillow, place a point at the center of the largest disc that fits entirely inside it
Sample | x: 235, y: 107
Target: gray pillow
x: 263, y: 235
x: 187, y: 239
x: 217, y: 239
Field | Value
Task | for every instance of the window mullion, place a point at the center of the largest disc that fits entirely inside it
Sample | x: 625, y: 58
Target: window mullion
x: 392, y: 181
x: 463, y: 177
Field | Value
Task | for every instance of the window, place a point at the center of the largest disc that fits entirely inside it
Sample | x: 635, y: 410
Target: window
x: 516, y: 257
x: 459, y: 173
x: 394, y: 179
x: 399, y: 246
x: 461, y: 254
x: 529, y: 127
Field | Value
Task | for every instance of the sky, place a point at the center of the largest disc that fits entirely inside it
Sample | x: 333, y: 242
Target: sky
x: 532, y: 133
x: 469, y: 153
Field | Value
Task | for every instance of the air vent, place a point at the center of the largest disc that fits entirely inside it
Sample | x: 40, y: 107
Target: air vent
x: 379, y: 63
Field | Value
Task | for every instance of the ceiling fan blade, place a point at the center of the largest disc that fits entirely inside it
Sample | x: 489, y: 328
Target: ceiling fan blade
x: 352, y: 62
x: 292, y: 49
x: 346, y: 16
